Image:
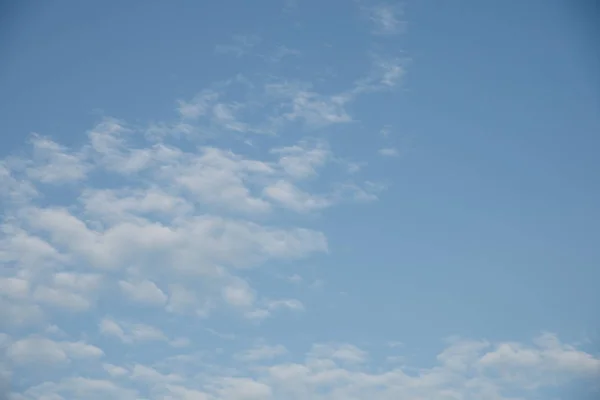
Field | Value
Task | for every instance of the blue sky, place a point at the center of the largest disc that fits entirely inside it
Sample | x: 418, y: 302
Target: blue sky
x: 299, y: 200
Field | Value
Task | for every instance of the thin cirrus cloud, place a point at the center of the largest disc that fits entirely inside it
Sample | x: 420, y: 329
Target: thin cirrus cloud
x: 150, y: 275
x: 386, y: 19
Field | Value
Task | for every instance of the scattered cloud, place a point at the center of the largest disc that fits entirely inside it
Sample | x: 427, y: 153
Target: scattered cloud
x: 198, y: 106
x: 464, y: 369
x: 131, y: 332
x: 239, y: 294
x: 53, y: 164
x: 161, y: 230
x: 291, y: 304
x: 303, y: 159
x: 263, y: 352
x: 40, y: 350
x: 289, y: 196
x: 282, y: 52
x: 388, y: 152
x: 240, y: 45
x: 386, y: 19
x: 345, y: 353
x: 143, y: 292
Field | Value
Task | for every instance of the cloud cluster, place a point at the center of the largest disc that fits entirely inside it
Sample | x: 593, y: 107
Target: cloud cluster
x: 464, y: 370
x: 386, y: 19
x: 138, y: 227
x: 165, y: 220
x: 156, y: 221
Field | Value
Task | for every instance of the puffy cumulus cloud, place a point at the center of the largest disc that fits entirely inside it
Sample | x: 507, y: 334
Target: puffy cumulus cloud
x: 40, y: 350
x: 130, y: 332
x: 239, y: 294
x: 107, y: 288
x: 464, y: 370
x: 549, y: 362
x: 144, y: 292
x: 68, y: 290
x: 263, y: 352
x: 291, y: 197
x: 78, y: 388
x: 53, y: 163
x: 303, y: 159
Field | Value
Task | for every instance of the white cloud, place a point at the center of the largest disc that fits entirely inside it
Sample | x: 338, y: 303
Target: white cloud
x: 25, y: 250
x: 338, y: 352
x: 169, y: 226
x: 190, y: 245
x: 199, y: 105
x: 15, y: 288
x: 12, y: 188
x: 290, y: 304
x: 181, y: 299
x: 82, y: 350
x: 548, y: 357
x: 169, y: 214
x: 114, y: 370
x: 80, y: 388
x: 131, y: 332
x: 258, y: 314
x: 109, y: 149
x: 36, y: 351
x: 151, y: 375
x: 241, y: 45
x: 180, y: 342
x: 239, y: 294
x: 388, y: 152
x: 289, y: 196
x: 282, y: 52
x: 18, y: 314
x: 243, y: 389
x: 222, y: 178
x: 303, y: 159
x: 61, y: 298
x: 270, y: 306
x: 143, y: 292
x: 227, y: 336
x: 386, y: 130
x: 318, y: 110
x: 264, y: 352
x: 386, y: 19
x: 40, y: 350
x: 77, y: 281
x: 465, y: 369
x: 111, y: 328
x: 390, y: 71
x: 53, y: 163
x: 68, y: 290
x: 131, y: 205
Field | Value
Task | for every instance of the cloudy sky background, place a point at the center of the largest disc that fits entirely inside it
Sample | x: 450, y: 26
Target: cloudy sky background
x: 299, y: 200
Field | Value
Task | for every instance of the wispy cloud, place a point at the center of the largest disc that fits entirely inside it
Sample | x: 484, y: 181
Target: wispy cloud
x: 386, y: 19
x: 263, y: 352
x: 281, y: 52
x: 240, y: 45
x: 130, y: 332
